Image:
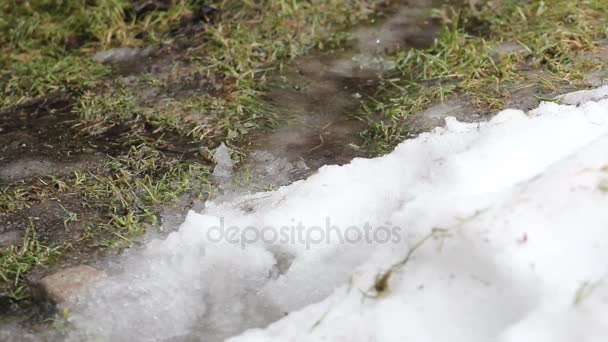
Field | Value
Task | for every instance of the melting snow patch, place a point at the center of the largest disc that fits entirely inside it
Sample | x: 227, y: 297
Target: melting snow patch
x: 473, y: 232
x: 582, y: 96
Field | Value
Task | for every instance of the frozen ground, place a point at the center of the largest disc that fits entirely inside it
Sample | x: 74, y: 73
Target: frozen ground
x: 473, y: 232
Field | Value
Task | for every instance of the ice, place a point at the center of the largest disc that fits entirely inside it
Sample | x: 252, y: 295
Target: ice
x: 511, y: 213
x: 222, y: 172
x: 269, y: 171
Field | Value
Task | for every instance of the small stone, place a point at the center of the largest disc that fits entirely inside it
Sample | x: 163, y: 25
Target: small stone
x: 122, y: 54
x: 63, y: 285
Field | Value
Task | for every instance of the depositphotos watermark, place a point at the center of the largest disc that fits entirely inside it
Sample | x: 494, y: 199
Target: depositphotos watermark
x: 301, y: 234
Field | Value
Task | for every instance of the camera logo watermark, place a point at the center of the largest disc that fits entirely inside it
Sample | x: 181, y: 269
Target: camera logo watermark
x: 298, y: 233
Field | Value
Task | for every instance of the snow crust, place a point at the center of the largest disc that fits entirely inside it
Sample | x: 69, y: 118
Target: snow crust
x: 503, y: 226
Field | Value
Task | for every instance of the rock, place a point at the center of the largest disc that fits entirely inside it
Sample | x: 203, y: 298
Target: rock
x: 9, y: 238
x: 122, y: 54
x: 63, y: 285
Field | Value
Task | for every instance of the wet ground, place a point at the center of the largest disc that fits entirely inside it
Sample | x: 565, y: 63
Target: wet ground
x: 42, y: 143
x: 38, y: 139
x: 41, y: 140
x: 317, y: 94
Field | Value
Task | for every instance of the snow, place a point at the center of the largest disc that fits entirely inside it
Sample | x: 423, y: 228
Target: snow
x: 504, y: 223
x: 581, y: 96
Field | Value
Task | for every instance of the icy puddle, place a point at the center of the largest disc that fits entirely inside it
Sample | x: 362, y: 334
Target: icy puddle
x: 473, y: 232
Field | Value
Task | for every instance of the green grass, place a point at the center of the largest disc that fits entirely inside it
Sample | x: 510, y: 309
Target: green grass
x: 129, y: 189
x: 45, y: 44
x: 16, y: 261
x: 462, y: 60
x: 281, y: 31
x: 203, y: 119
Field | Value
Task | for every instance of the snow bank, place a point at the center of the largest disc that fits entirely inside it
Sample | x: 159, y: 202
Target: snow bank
x: 491, y: 232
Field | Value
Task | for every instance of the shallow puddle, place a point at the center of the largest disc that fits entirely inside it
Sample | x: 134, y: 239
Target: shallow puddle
x: 316, y: 94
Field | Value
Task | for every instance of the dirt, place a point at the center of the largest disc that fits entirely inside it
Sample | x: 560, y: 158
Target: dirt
x: 40, y: 134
